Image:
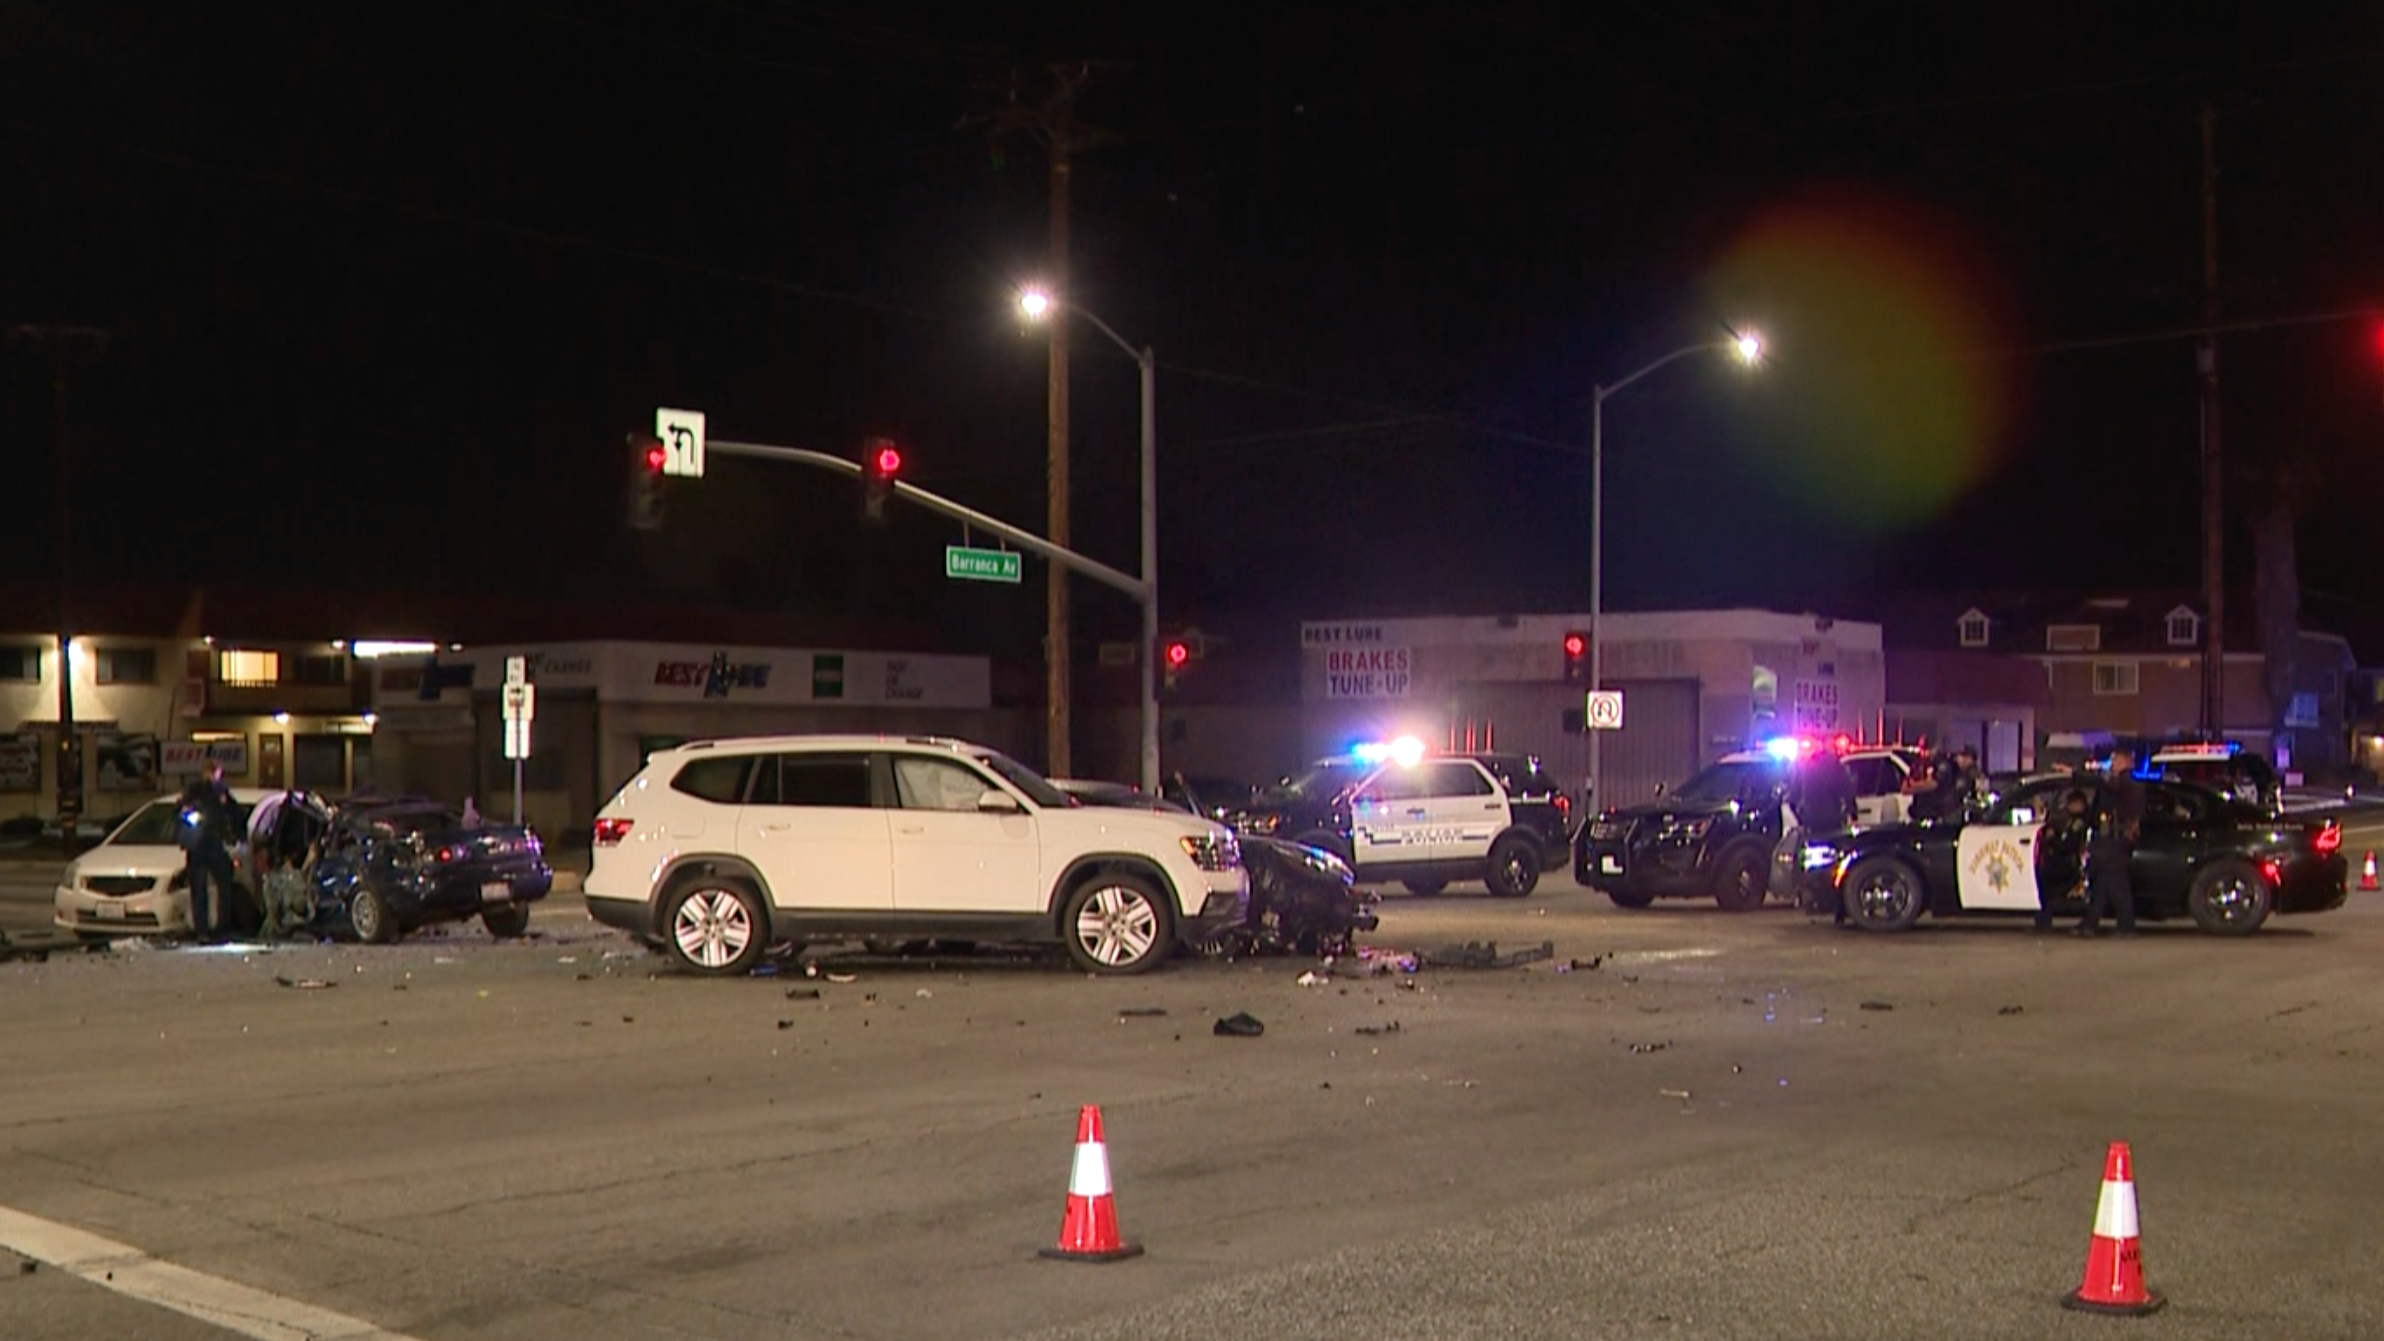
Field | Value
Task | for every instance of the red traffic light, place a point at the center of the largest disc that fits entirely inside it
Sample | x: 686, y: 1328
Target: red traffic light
x: 655, y: 457
x: 1178, y: 654
x: 1575, y: 644
x: 888, y: 459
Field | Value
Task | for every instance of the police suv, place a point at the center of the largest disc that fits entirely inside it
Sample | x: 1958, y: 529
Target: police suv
x: 1395, y: 813
x: 1721, y: 832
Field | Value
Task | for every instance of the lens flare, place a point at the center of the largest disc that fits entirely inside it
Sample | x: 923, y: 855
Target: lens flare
x: 1890, y: 404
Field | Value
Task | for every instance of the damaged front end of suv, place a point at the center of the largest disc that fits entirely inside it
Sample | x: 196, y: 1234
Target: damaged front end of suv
x: 1303, y: 901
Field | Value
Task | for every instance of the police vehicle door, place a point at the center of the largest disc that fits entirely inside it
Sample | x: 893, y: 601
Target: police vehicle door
x: 1878, y: 789
x: 1386, y: 817
x: 1995, y: 864
x: 1463, y: 811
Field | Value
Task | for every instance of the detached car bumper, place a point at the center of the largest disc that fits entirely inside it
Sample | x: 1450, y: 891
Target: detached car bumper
x: 156, y: 913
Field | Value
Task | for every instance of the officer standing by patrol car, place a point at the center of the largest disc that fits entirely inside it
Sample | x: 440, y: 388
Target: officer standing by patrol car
x: 2114, y: 845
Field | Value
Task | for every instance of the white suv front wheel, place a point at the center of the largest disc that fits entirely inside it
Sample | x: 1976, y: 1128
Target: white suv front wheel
x: 715, y: 926
x: 1116, y: 923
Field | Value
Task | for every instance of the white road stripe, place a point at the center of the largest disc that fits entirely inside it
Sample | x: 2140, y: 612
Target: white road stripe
x: 211, y: 1299
x: 1659, y: 956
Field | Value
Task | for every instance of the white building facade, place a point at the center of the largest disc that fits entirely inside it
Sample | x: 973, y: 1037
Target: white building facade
x: 1695, y: 685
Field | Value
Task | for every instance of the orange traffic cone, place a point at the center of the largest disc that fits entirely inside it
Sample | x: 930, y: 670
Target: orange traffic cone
x: 1089, y: 1231
x: 2367, y: 873
x: 2115, y: 1259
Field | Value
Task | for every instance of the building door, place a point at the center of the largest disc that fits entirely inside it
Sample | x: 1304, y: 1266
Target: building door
x: 270, y: 773
x: 319, y: 763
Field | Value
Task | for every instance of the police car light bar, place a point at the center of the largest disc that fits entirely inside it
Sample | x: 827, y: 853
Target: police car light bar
x: 1405, y: 751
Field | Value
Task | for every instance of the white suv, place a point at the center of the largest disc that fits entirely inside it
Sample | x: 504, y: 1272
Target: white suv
x: 717, y: 849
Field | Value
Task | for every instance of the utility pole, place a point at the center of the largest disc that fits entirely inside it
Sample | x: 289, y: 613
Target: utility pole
x: 2214, y: 569
x: 1058, y: 726
x: 62, y: 342
x: 1051, y: 119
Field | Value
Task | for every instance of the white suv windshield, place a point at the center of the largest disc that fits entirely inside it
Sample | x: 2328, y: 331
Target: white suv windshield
x: 1026, y: 780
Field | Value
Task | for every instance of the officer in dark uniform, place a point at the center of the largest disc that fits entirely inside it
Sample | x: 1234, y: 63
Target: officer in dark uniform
x: 1951, y: 786
x: 207, y: 809
x: 2117, y: 827
x: 2067, y: 836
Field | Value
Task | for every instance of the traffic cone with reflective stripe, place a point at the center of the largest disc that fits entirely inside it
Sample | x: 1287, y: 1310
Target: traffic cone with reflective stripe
x: 2115, y: 1259
x: 1089, y: 1231
x: 2367, y: 873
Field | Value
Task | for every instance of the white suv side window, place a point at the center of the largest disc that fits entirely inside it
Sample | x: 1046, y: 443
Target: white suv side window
x: 836, y: 781
x: 937, y: 784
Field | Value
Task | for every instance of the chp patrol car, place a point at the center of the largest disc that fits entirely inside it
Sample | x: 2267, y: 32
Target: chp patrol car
x: 2225, y: 863
x: 1396, y: 813
x: 1719, y: 834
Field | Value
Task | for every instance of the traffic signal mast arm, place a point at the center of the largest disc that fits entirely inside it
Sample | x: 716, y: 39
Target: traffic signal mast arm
x: 1024, y: 539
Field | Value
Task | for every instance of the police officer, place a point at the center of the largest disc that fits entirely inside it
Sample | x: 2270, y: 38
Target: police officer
x: 1952, y: 782
x: 2116, y: 830
x: 2067, y: 835
x: 207, y: 814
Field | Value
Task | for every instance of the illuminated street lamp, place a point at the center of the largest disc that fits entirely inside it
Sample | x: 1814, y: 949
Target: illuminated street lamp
x: 1036, y: 305
x: 1747, y: 347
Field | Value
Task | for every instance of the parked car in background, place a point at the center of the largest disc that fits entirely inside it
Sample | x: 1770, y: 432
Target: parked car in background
x: 133, y: 883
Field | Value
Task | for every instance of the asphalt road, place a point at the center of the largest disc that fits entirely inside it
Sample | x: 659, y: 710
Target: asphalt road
x: 563, y: 1141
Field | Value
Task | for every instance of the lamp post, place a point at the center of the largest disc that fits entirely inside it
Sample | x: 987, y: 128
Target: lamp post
x: 1747, y: 347
x: 1039, y: 305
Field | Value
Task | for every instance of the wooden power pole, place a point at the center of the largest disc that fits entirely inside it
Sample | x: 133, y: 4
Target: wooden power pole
x: 2214, y: 568
x: 1051, y: 119
x: 1058, y: 723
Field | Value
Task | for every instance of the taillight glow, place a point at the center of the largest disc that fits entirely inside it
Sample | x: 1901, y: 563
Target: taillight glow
x: 609, y: 832
x: 1564, y: 806
x: 2330, y: 839
x: 2274, y: 870
x: 447, y: 854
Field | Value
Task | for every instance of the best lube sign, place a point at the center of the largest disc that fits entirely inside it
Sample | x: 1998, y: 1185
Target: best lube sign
x: 1367, y: 672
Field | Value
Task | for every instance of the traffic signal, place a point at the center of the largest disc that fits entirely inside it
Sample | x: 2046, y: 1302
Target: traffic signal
x: 646, y: 457
x: 1576, y: 658
x: 881, y: 465
x: 1172, y: 657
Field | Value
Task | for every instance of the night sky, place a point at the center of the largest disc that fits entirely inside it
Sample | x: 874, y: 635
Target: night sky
x: 387, y: 285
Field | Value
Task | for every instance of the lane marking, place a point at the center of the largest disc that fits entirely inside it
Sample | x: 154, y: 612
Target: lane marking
x: 229, y: 1305
x: 1662, y: 955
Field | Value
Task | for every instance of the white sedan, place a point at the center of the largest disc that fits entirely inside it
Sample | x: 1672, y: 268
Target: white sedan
x: 133, y: 883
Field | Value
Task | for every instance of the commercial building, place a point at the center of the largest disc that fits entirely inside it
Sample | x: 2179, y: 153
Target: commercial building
x: 1695, y: 685
x: 600, y: 708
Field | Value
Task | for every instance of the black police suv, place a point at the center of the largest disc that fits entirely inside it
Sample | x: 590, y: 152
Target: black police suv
x: 1713, y: 835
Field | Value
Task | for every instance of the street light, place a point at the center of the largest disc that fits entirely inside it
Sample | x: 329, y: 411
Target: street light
x: 1747, y: 347
x: 1037, y: 304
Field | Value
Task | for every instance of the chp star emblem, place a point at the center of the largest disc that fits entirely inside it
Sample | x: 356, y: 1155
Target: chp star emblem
x: 1998, y: 871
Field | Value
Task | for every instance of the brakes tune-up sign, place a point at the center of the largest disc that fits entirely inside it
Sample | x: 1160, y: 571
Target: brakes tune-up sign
x: 1368, y: 672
